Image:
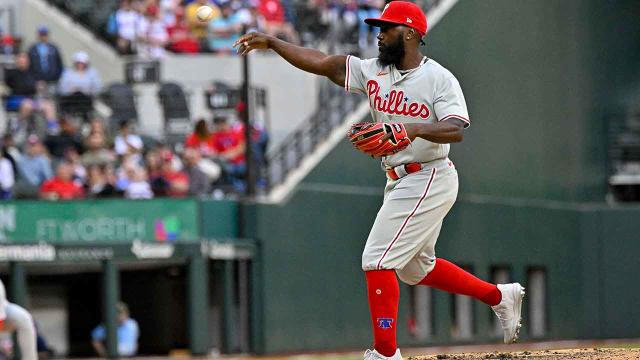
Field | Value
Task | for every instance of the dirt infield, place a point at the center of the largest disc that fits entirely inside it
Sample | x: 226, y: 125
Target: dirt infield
x: 592, y: 354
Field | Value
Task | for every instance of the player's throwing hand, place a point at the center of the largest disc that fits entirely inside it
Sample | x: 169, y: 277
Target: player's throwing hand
x: 251, y: 41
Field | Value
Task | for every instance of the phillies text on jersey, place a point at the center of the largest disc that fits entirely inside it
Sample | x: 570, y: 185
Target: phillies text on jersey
x: 427, y: 93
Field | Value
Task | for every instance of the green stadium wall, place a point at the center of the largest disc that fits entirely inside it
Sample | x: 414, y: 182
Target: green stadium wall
x: 88, y: 221
x: 538, y: 77
x: 314, y: 294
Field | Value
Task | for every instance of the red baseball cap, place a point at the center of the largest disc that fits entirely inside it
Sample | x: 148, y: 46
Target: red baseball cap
x: 402, y: 13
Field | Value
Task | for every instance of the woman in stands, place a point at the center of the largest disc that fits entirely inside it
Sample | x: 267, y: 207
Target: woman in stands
x: 78, y: 85
x: 81, y: 78
x: 202, y: 139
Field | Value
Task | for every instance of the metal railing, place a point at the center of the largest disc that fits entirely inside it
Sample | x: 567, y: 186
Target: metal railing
x: 333, y: 106
x: 623, y: 157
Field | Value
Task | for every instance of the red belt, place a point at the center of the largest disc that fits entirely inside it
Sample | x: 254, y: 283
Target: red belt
x: 408, y: 169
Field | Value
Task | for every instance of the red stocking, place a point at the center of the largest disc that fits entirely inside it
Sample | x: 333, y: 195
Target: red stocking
x: 449, y: 277
x: 384, y: 295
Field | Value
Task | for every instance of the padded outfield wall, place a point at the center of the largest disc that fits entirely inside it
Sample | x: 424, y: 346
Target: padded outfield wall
x: 539, y: 78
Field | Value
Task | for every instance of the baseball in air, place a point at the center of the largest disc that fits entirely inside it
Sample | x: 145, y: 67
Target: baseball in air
x: 204, y: 13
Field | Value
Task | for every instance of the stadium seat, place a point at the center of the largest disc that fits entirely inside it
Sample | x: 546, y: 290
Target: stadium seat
x: 121, y: 99
x: 177, y: 119
x: 76, y: 104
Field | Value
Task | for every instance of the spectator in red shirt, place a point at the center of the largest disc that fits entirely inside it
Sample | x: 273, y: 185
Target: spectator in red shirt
x: 275, y: 23
x: 228, y: 142
x: 178, y: 181
x: 272, y: 11
x: 201, y: 139
x: 230, y: 146
x: 62, y: 186
x: 180, y: 38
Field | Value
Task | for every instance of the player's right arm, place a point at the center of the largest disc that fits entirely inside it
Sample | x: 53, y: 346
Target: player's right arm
x: 309, y: 60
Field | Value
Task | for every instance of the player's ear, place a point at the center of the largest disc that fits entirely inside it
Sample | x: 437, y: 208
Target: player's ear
x: 411, y: 34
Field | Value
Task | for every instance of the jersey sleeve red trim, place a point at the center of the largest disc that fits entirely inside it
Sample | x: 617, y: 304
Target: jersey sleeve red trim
x: 466, y: 121
x: 347, y: 73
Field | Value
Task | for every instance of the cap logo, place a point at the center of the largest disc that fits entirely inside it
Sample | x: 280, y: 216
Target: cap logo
x: 409, y: 21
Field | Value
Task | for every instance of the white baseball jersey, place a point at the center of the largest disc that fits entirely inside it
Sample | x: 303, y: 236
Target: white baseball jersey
x: 428, y: 93
x: 17, y: 319
x: 404, y: 234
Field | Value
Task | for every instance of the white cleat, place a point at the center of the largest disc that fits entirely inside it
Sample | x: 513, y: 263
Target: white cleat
x: 509, y: 311
x: 374, y: 355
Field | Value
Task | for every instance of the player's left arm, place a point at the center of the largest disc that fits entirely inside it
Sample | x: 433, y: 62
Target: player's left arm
x: 443, y: 132
x: 450, y: 110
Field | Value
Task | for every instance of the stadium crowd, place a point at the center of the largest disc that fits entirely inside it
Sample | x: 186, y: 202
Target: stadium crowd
x: 54, y: 147
x: 150, y: 27
x: 79, y: 162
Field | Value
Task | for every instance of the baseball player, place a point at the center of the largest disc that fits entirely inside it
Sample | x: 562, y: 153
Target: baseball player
x: 15, y: 318
x: 418, y: 109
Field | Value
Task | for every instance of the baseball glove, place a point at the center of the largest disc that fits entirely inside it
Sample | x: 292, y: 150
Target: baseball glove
x: 367, y: 138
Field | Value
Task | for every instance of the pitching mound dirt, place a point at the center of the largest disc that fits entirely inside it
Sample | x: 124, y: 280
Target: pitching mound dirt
x: 591, y: 354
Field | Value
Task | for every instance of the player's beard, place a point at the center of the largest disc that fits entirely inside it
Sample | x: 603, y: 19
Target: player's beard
x: 392, y: 53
